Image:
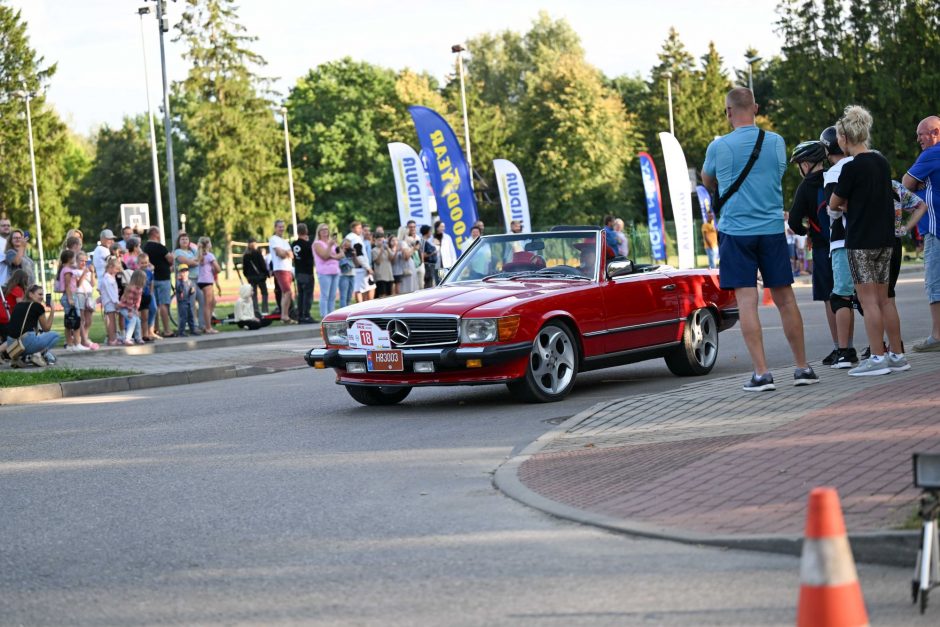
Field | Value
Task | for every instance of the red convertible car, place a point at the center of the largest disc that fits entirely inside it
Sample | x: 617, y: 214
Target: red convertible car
x: 530, y: 310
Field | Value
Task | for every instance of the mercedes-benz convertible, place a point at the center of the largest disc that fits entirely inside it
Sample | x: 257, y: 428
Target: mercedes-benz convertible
x: 529, y: 310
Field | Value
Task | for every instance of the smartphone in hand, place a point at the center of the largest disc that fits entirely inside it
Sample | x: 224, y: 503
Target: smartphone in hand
x: 48, y: 300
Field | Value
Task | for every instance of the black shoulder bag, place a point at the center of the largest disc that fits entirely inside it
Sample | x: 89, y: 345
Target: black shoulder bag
x: 755, y: 153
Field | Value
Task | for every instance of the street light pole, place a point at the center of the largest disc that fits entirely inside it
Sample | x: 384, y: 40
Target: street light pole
x: 458, y: 49
x: 158, y: 194
x: 672, y: 127
x: 290, y: 172
x: 170, y: 174
x: 32, y: 162
x: 750, y: 71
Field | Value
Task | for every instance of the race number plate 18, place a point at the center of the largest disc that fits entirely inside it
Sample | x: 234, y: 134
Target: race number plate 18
x: 387, y: 361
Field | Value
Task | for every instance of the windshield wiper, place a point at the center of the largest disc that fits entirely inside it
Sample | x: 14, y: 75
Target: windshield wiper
x: 546, y: 272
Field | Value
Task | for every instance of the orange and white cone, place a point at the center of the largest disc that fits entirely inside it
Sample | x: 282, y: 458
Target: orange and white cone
x: 830, y: 595
x: 768, y: 297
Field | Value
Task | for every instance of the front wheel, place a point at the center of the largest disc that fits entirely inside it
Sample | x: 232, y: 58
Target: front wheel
x: 553, y: 364
x: 378, y: 395
x: 699, y: 349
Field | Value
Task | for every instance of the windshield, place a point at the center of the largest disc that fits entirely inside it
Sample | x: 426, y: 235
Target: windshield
x: 564, y: 255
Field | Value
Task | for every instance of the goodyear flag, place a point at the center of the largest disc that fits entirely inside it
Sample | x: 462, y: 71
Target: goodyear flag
x: 411, y: 184
x: 456, y: 206
x: 654, y: 206
x: 512, y: 194
x: 680, y: 194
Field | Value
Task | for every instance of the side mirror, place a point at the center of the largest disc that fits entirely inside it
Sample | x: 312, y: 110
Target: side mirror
x: 619, y: 267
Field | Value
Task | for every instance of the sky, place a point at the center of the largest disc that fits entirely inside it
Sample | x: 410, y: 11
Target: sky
x: 100, y: 78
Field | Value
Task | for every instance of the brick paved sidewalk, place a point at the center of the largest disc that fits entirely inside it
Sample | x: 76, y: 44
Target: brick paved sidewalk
x: 713, y: 460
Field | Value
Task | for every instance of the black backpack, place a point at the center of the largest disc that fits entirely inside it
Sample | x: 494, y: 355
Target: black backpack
x: 73, y: 320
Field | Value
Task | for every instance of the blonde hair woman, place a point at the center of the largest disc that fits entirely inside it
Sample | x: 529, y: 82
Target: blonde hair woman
x: 207, y: 278
x: 864, y: 193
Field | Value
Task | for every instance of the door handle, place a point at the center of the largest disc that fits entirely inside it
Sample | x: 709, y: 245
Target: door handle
x: 669, y: 288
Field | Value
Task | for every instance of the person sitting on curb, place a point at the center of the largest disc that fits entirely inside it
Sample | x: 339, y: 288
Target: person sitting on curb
x: 28, y: 315
x: 245, y: 309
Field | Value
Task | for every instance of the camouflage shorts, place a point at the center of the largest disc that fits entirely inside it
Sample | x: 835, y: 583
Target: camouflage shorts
x: 869, y: 265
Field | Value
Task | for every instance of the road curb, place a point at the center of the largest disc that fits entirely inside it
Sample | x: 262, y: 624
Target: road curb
x: 893, y: 548
x: 222, y: 340
x: 112, y: 385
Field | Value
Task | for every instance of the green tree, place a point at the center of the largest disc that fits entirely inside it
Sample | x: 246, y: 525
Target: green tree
x: 534, y: 99
x: 576, y: 143
x: 232, y: 144
x: 58, y: 157
x: 344, y: 113
x: 122, y: 172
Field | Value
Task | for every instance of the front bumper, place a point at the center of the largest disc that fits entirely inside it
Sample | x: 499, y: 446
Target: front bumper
x: 499, y: 363
x: 443, y: 358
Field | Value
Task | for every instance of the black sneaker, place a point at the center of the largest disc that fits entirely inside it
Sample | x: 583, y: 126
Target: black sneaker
x: 866, y: 353
x: 763, y: 383
x: 805, y: 376
x: 831, y: 357
x: 848, y: 358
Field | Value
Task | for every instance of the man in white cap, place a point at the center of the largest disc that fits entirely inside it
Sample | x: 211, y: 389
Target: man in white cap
x: 100, y: 256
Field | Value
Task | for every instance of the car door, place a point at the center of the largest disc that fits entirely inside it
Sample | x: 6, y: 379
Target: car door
x: 641, y: 309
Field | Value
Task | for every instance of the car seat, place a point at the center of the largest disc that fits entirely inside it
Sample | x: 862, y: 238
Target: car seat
x: 523, y: 261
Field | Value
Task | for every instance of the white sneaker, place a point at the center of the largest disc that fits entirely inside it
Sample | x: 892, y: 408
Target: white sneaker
x: 869, y: 368
x: 897, y: 363
x: 37, y: 360
x: 69, y: 348
x: 80, y: 347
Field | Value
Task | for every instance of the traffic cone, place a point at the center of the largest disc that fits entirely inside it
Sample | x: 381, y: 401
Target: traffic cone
x: 830, y: 595
x: 768, y: 299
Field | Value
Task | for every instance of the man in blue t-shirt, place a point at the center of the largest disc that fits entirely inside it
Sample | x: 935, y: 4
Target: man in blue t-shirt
x: 925, y: 175
x: 752, y: 234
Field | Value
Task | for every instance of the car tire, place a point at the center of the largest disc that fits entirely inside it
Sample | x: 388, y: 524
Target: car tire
x: 368, y: 395
x: 552, y: 366
x: 699, y: 349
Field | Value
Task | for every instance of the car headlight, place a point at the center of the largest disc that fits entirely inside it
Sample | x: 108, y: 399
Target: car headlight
x: 477, y: 330
x: 335, y: 333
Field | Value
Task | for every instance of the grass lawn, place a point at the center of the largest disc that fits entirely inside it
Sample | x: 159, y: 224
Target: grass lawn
x: 30, y: 376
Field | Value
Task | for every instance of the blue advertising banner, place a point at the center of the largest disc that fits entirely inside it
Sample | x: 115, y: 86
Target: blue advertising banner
x: 447, y: 170
x: 654, y: 206
x: 704, y: 201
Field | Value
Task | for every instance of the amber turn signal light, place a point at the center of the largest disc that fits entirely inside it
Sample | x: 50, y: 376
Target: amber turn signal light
x: 507, y: 327
x: 319, y: 365
x: 474, y: 363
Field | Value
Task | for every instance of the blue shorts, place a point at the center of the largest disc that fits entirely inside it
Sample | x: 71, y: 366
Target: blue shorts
x: 162, y: 292
x: 822, y: 273
x: 842, y: 284
x: 742, y: 256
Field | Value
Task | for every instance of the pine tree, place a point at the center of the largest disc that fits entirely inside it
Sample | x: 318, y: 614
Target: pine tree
x: 58, y: 158
x: 232, y: 145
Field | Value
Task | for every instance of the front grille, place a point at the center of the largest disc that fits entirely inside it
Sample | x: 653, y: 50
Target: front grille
x: 430, y: 331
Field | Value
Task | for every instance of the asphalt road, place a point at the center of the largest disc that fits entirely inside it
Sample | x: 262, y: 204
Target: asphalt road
x: 278, y: 499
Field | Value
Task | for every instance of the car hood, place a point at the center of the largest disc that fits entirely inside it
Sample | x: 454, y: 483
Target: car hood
x: 458, y: 299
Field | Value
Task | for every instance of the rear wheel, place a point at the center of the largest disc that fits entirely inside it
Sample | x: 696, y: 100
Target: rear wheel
x: 699, y: 349
x: 378, y: 395
x: 553, y: 364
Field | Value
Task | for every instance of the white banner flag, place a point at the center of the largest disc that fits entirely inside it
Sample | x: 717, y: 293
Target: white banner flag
x: 411, y: 185
x: 512, y: 194
x: 677, y: 177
